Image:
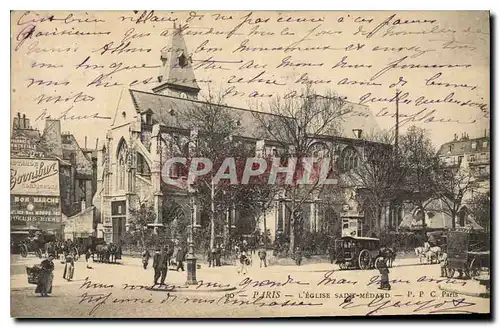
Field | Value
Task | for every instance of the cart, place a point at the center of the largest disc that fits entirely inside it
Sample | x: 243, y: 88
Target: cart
x: 356, y: 252
x: 33, y: 274
x: 468, y: 253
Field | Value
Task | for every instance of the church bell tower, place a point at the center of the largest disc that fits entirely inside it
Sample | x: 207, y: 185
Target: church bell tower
x: 176, y: 76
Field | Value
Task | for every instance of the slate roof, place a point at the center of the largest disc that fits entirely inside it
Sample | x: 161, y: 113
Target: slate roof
x: 461, y: 147
x: 360, y: 116
x: 437, y: 218
x: 169, y: 110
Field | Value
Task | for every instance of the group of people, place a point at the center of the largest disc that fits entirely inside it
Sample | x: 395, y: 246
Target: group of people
x: 162, y: 258
x: 46, y: 275
x: 214, y: 256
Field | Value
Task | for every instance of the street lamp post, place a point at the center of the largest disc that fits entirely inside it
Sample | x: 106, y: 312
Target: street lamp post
x: 191, y: 258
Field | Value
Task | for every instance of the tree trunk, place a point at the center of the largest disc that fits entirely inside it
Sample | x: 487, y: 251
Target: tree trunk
x: 212, y: 218
x: 227, y: 227
x: 265, y: 228
x: 424, y: 223
x: 379, y: 219
x: 291, y: 247
x: 143, y: 242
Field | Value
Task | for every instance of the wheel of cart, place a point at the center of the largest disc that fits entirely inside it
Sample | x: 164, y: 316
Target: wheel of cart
x: 467, y: 252
x: 365, y: 260
x: 24, y: 250
x: 354, y: 252
x: 450, y: 272
x: 377, y: 261
x: 477, y: 260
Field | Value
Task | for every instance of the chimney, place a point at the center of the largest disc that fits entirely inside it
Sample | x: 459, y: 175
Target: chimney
x: 52, y: 136
x: 85, y: 142
x: 24, y: 122
x: 15, y: 124
x: 455, y: 137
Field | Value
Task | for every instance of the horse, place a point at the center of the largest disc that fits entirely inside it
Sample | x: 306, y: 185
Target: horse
x: 433, y: 254
x: 108, y: 253
x: 420, y: 252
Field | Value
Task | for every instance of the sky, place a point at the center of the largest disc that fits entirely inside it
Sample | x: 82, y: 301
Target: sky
x: 83, y: 63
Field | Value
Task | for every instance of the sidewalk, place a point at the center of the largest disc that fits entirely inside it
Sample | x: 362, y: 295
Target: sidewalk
x: 129, y: 271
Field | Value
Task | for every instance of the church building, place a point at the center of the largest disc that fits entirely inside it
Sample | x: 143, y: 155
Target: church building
x: 148, y: 128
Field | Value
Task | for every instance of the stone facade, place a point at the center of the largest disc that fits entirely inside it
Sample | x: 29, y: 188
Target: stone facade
x: 148, y: 128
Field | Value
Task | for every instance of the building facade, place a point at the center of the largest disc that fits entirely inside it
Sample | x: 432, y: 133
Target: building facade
x: 150, y: 126
x: 52, y: 178
x: 470, y: 156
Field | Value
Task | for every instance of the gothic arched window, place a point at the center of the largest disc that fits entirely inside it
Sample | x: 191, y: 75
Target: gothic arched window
x: 349, y: 159
x: 121, y: 165
x: 143, y: 167
x: 121, y: 173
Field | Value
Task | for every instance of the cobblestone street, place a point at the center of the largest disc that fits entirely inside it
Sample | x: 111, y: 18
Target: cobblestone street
x: 311, y: 289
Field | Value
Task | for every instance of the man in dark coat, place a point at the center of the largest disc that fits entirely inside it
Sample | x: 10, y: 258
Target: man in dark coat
x: 218, y: 254
x: 160, y: 265
x: 384, y: 274
x: 262, y: 257
x: 180, y: 258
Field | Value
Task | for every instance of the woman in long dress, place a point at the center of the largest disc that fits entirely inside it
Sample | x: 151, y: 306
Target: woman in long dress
x: 69, y: 268
x: 44, y: 286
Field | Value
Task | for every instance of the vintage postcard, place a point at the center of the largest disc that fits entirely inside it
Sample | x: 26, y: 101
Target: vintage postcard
x: 230, y: 164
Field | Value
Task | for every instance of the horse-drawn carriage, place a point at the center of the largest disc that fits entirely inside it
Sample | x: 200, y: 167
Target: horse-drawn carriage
x: 468, y: 253
x: 360, y: 252
x: 35, y: 243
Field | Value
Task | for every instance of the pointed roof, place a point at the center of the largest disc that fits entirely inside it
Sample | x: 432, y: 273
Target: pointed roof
x: 177, y: 69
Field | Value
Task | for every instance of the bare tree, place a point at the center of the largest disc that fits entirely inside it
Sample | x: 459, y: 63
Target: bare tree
x: 214, y: 125
x: 378, y: 174
x: 451, y: 184
x: 419, y: 161
x: 480, y: 209
x: 293, y: 123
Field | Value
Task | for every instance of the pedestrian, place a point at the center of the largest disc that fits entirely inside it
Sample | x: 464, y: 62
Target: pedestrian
x: 298, y: 256
x: 214, y: 251
x: 145, y: 258
x: 180, y: 258
x: 443, y: 261
x: 331, y: 253
x: 209, y: 257
x: 89, y: 258
x: 384, y: 273
x: 218, y: 254
x: 262, y: 256
x: 165, y: 262
x: 44, y: 286
x: 69, y: 267
x: 157, y: 266
x: 244, y: 261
